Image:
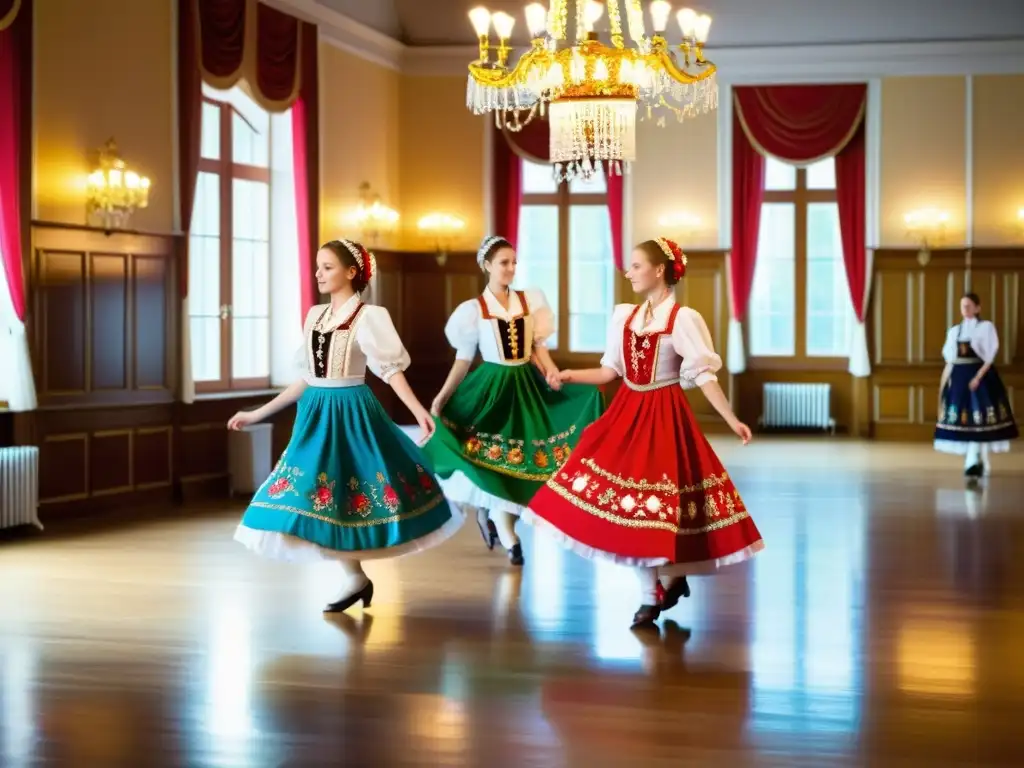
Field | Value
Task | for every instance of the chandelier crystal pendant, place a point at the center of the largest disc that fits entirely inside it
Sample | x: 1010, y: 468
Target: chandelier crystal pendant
x: 592, y: 91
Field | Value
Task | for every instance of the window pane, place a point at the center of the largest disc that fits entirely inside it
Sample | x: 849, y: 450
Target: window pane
x: 249, y: 145
x: 591, y: 277
x: 210, y: 144
x: 595, y: 185
x: 772, y: 317
x: 829, y: 308
x: 822, y: 175
x: 538, y: 254
x: 538, y: 178
x: 250, y: 280
x: 204, y: 275
x: 779, y: 176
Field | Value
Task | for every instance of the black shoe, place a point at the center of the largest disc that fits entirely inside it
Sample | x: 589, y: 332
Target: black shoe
x: 678, y: 588
x: 515, y: 555
x: 975, y: 470
x: 365, y: 594
x: 646, y: 616
x: 487, y: 529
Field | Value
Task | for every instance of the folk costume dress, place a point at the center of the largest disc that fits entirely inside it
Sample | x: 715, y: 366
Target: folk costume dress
x: 643, y: 487
x: 504, y: 431
x: 973, y: 423
x: 350, y: 484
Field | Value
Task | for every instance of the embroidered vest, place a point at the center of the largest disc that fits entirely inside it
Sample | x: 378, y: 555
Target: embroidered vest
x: 640, y: 349
x: 514, y: 336
x: 329, y: 349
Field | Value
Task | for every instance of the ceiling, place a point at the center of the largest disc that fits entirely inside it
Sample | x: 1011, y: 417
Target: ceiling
x: 737, y: 23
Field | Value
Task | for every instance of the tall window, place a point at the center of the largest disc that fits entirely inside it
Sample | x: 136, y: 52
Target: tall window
x: 565, y: 249
x: 238, y: 224
x: 800, y: 304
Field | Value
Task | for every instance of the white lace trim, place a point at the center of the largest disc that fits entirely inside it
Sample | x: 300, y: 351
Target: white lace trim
x: 283, y: 546
x: 661, y: 563
x: 961, y: 448
x: 460, y: 489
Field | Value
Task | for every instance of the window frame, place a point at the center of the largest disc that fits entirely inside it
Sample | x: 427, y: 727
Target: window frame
x: 564, y: 199
x: 227, y: 171
x: 800, y: 197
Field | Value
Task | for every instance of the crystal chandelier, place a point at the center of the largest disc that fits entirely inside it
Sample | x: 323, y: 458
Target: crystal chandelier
x: 114, y: 192
x: 592, y: 91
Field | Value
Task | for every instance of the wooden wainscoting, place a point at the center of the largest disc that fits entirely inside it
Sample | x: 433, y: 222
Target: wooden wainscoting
x: 912, y: 308
x: 103, y: 319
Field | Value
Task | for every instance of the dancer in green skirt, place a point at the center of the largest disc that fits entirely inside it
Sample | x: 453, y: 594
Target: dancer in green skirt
x: 350, y: 486
x: 503, y: 429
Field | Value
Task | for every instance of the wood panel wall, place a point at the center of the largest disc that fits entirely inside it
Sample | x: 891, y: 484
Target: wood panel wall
x: 913, y: 306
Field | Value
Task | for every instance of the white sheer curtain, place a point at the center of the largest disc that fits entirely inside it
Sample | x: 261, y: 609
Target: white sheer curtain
x: 17, y: 387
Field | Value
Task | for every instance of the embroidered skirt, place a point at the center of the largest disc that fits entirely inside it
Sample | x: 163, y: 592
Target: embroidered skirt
x: 982, y: 416
x: 349, y: 484
x: 504, y: 432
x: 644, y: 488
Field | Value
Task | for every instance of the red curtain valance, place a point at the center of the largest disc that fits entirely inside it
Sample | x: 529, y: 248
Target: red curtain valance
x: 8, y: 12
x: 247, y: 39
x: 800, y: 124
x: 532, y: 142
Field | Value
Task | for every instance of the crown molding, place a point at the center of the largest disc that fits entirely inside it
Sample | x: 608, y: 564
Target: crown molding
x: 806, y: 63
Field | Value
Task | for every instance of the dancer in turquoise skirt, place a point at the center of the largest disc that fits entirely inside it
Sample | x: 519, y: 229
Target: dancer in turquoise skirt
x: 350, y: 486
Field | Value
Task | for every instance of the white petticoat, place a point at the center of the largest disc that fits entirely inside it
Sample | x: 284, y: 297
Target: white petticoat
x: 460, y: 490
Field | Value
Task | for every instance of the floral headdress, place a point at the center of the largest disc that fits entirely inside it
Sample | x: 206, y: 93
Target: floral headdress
x: 486, y: 246
x: 675, y: 254
x: 365, y: 260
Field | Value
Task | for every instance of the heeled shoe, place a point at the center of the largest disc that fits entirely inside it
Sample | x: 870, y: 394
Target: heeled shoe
x: 515, y: 555
x: 677, y: 588
x: 365, y: 594
x: 646, y: 616
x: 488, y: 531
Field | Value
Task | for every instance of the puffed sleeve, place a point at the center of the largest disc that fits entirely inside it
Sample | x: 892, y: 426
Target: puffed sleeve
x: 985, y: 341
x: 463, y: 330
x: 692, y: 340
x: 543, y: 317
x: 301, y: 359
x: 377, y: 337
x: 612, y: 357
x: 949, y: 346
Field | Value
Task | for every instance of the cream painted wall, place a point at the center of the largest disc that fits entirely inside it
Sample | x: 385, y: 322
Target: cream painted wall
x: 998, y: 159
x: 676, y: 172
x: 441, y: 154
x: 102, y: 70
x: 359, y: 141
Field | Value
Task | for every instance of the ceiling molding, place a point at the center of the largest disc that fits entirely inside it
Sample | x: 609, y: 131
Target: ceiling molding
x: 808, y: 63
x: 856, y: 62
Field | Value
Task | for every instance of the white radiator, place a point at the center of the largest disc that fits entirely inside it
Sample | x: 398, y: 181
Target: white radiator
x: 249, y: 457
x: 797, y: 406
x: 19, y: 487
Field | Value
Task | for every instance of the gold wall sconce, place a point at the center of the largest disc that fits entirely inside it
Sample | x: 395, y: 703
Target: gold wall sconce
x: 113, y: 191
x: 928, y: 228
x: 680, y: 226
x: 373, y: 217
x: 442, y: 228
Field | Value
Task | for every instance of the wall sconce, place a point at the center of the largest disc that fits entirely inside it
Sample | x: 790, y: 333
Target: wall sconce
x: 443, y: 228
x: 1020, y: 221
x: 372, y: 216
x: 113, y: 192
x: 928, y: 227
x: 679, y: 226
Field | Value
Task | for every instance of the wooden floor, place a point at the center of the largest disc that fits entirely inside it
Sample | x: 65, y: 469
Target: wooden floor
x: 882, y: 626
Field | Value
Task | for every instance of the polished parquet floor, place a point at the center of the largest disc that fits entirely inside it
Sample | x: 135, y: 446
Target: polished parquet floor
x: 882, y: 626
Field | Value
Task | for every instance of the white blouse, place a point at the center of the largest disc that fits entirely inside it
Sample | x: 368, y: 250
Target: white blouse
x: 361, y: 337
x: 504, y: 336
x: 980, y: 333
x: 687, y: 353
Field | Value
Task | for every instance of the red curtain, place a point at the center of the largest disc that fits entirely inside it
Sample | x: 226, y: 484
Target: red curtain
x: 533, y: 143
x: 747, y: 195
x: 802, y: 124
x: 15, y: 112
x: 223, y: 41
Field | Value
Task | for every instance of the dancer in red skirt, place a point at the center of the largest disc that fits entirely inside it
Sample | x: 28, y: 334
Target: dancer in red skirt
x: 643, y: 487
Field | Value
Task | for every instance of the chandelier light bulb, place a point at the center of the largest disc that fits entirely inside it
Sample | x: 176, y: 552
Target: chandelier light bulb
x: 503, y: 24
x: 592, y: 13
x: 480, y: 18
x: 703, y: 28
x: 687, y: 18
x: 536, y: 19
x: 660, y: 11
